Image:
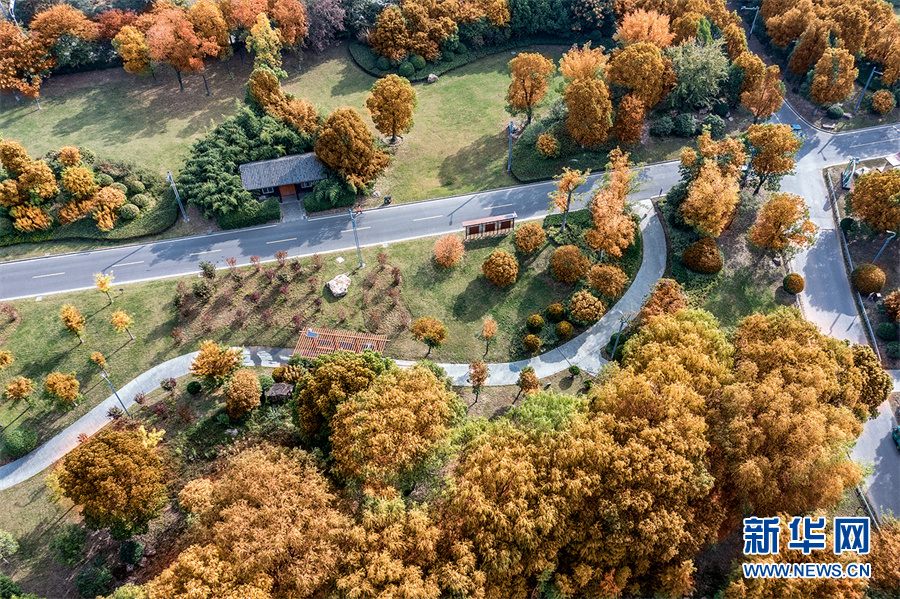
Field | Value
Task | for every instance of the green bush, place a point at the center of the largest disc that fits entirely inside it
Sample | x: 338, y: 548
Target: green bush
x: 329, y: 193
x: 622, y: 337
x: 131, y: 552
x: 716, y: 125
x: 893, y: 349
x: 93, y: 580
x: 564, y: 330
x: 141, y: 200
x: 19, y: 441
x: 383, y: 63
x: 129, y: 212
x: 265, y: 381
x: 721, y: 109
x: 6, y: 226
x: 532, y: 343
x: 9, y: 587
x: 448, y: 56
x: 120, y: 186
x: 684, y: 125
x: 887, y: 331
x: 849, y: 225
x: 868, y: 278
x: 417, y: 61
x: 194, y: 387
x: 67, y: 547
x: 136, y: 186
x: 104, y: 180
x: 535, y: 322
x: 574, y: 370
x: 834, y: 112
x: 556, y: 312
x: 461, y: 48
x: 662, y: 127
x: 793, y: 283
x: 406, y: 69
x: 252, y: 214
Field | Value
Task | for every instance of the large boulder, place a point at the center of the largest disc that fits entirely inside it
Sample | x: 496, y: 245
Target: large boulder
x: 432, y: 78
x: 339, y: 285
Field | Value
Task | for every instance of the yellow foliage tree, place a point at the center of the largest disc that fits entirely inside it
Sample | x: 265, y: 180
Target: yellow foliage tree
x: 589, y: 116
x: 530, y: 73
x: 613, y: 230
x: 643, y: 69
x: 104, y: 282
x: 73, y: 320
x: 567, y: 183
x: 765, y: 99
x: 200, y: 572
x: 783, y: 225
x: 582, y: 63
x: 876, y: 199
x: 392, y: 103
x: 62, y: 386
x: 346, y: 146
x: 243, y: 393
x: 644, y: 26
x: 711, y: 201
x: 18, y: 388
x: 215, y: 363
x: 833, y: 77
x: 122, y: 322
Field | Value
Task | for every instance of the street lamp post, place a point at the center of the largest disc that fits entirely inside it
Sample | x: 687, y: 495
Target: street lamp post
x: 622, y: 320
x: 893, y: 234
x: 356, y: 237
x: 756, y: 8
x: 512, y: 129
x: 116, y: 393
x: 868, y: 81
x: 177, y: 196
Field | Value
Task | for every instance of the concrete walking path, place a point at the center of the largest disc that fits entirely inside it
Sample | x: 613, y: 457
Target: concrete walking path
x: 584, y: 350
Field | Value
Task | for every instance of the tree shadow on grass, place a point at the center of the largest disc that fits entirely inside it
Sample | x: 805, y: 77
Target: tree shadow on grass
x: 472, y: 164
x: 479, y: 296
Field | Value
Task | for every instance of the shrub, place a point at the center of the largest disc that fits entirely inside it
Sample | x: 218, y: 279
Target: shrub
x: 793, y: 283
x: 892, y: 304
x: 328, y: 194
x: 662, y: 127
x: 136, y: 186
x: 568, y: 264
x: 406, y: 69
x: 417, y: 62
x: 868, y: 278
x: 168, y: 384
x: 574, y: 370
x: 140, y: 200
x: 535, y: 322
x: 383, y: 64
x: 266, y: 382
x: 556, y: 312
x: 532, y: 343
x: 530, y: 238
x: 9, y: 587
x: 430, y: 331
x: 6, y: 226
x: 684, y: 125
x: 666, y: 297
x: 716, y: 125
x: 129, y: 212
x: 834, y: 112
x: 607, y: 280
x: 94, y: 579
x: 18, y: 389
x: 721, y: 109
x: 461, y: 48
x: 104, y: 180
x: 564, y: 330
x: 448, y: 250
x: 131, y: 552
x: 883, y: 101
x: 194, y: 387
x: 618, y: 346
x: 586, y: 308
x: 243, y: 393
x: 67, y: 547
x: 547, y: 145
x: 121, y: 187
x: 887, y: 331
x: 20, y: 441
x: 893, y: 349
x: 848, y: 225
x: 500, y: 268
x: 448, y: 56
x: 703, y: 256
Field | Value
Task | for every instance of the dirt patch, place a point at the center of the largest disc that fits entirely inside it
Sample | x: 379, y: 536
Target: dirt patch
x: 494, y: 402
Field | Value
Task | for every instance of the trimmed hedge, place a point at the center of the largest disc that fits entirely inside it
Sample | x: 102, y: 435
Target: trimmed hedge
x: 868, y: 278
x: 252, y: 214
x: 20, y: 441
x: 887, y: 331
x: 834, y: 112
x: 793, y: 283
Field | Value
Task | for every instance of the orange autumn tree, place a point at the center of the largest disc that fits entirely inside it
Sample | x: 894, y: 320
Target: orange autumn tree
x: 561, y: 198
x: 392, y: 103
x: 23, y: 60
x: 346, y: 146
x: 613, y: 230
x: 215, y: 363
x: 291, y: 20
x: 629, y: 125
x: 530, y: 73
x: 588, y: 120
x: 776, y: 146
x: 783, y: 225
x: 642, y: 68
x: 200, y: 571
x: 111, y: 22
x: 711, y: 201
x: 833, y: 77
x: 876, y: 199
x: 389, y: 38
x: 810, y: 48
x: 210, y: 24
x: 644, y: 26
x: 582, y: 63
x: 172, y: 40
x: 131, y: 45
x: 765, y: 99
x: 52, y: 23
x: 264, y: 88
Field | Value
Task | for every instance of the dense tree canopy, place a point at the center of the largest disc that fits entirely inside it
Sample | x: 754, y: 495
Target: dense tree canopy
x: 700, y: 68
x: 392, y: 103
x: 643, y: 69
x: 876, y: 199
x: 783, y: 225
x: 530, y: 73
x: 346, y: 146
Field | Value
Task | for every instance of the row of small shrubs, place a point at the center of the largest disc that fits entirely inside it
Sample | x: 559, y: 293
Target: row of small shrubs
x: 685, y: 125
x: 250, y: 214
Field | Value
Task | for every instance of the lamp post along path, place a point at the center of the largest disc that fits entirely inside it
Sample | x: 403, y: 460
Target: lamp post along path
x: 116, y: 393
x: 356, y: 237
x: 177, y: 196
x: 886, y: 241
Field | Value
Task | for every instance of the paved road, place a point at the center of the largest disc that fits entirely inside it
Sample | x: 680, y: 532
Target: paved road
x: 133, y: 263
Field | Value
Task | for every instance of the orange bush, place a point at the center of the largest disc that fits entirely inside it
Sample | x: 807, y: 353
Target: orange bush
x: 868, y: 278
x: 608, y: 280
x: 448, y: 250
x: 883, y: 101
x: 532, y: 343
x: 892, y: 304
x: 530, y: 237
x: 62, y: 386
x: 30, y: 218
x: 667, y: 297
x: 69, y: 156
x: 547, y: 145
x: 793, y: 283
x: 568, y: 264
x: 585, y: 307
x: 703, y: 256
x: 243, y: 393
x: 501, y: 268
x: 19, y: 388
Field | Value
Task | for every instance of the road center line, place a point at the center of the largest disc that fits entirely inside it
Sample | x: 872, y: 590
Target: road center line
x: 56, y: 274
x: 428, y: 217
x: 872, y: 143
x: 206, y: 252
x: 281, y: 241
x: 500, y: 206
x: 129, y: 263
x: 357, y: 228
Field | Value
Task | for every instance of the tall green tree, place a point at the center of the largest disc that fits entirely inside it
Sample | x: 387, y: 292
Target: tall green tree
x: 701, y: 68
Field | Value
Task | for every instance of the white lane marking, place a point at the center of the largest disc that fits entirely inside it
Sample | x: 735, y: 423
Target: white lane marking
x: 56, y: 274
x: 129, y: 263
x: 281, y: 241
x: 428, y: 217
x: 500, y: 206
x: 871, y: 143
x: 206, y: 252
x: 357, y: 228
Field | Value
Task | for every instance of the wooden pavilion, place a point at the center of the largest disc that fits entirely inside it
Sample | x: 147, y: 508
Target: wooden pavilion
x: 315, y: 342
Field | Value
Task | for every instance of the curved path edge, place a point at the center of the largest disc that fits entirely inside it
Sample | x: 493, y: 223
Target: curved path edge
x: 584, y: 350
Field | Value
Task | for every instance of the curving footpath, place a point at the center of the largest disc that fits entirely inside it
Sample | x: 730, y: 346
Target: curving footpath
x: 584, y: 350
